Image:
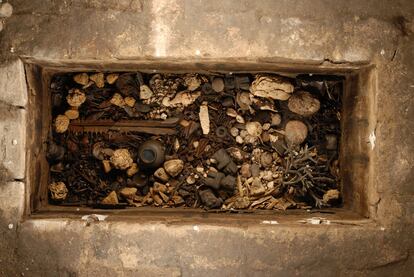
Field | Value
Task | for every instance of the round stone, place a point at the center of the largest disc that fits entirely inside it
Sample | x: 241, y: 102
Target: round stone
x: 295, y: 132
x: 303, y: 103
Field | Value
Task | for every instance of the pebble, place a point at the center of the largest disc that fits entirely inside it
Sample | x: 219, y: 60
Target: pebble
x: 331, y: 195
x: 177, y: 200
x: 234, y: 131
x: 240, y: 119
x: 242, y: 203
x: 270, y: 185
x: 227, y: 102
x: 239, y: 140
x: 303, y: 103
x: 111, y: 199
x: 121, y: 159
x: 158, y: 187
x: 161, y: 174
x: 256, y: 153
x: 107, y: 166
x: 174, y: 167
x: 257, y: 188
x: 195, y: 144
x: 157, y: 199
x: 265, y: 137
x: 61, y: 123
x: 145, y: 92
x: 267, y: 175
x: 209, y: 199
x: 128, y: 192
x: 331, y: 142
x: 132, y: 170
x: 236, y: 153
x: 231, y: 112
x: 6, y: 10
x: 254, y: 128
x: 81, y: 79
x: 190, y: 180
x: 266, y: 159
x: 295, y: 132
x: 111, y: 78
x: 276, y: 119
x: 266, y: 126
x: 255, y: 169
x: 217, y: 84
x: 58, y: 191
x: 98, y: 79
x: 245, y: 170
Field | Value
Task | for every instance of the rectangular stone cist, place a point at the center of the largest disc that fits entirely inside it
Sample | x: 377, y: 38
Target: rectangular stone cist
x: 189, y: 139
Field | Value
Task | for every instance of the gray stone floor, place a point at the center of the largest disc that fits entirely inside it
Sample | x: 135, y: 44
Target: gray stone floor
x: 376, y: 32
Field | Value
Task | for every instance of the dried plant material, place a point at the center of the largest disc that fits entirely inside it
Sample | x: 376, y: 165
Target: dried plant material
x: 72, y: 114
x: 121, y: 159
x: 273, y: 87
x: 204, y: 119
x: 81, y: 79
x: 161, y: 174
x: 174, y: 167
x: 260, y: 201
x: 217, y: 84
x: 183, y: 98
x: 192, y: 82
x: 117, y: 100
x: 130, y: 101
x: 330, y: 196
x: 128, y: 193
x: 107, y: 166
x: 111, y: 199
x: 254, y: 128
x: 61, y: 123
x: 58, y: 191
x: 111, y: 78
x: 295, y: 132
x: 145, y: 92
x: 98, y: 79
x: 75, y: 97
x: 132, y: 170
x: 303, y: 103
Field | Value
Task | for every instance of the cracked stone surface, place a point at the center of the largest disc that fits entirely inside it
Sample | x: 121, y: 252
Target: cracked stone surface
x: 310, y: 32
